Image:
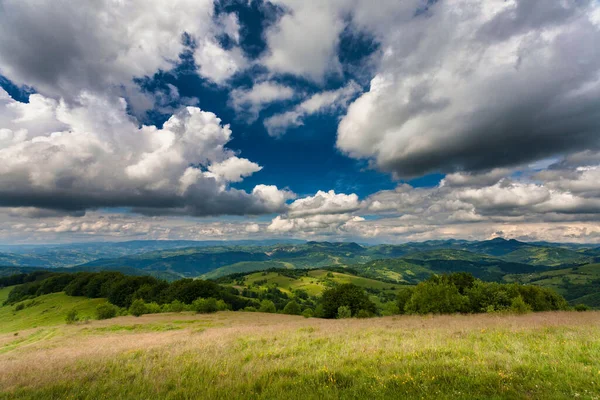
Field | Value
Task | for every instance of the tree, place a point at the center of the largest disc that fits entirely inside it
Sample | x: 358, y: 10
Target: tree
x: 267, y: 306
x: 292, y: 308
x: 403, y: 297
x: 437, y: 298
x: 138, y: 308
x: 106, y: 311
x: 348, y: 295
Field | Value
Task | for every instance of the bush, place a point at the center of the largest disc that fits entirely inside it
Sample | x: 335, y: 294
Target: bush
x: 72, y: 317
x: 175, y: 306
x: 106, y: 311
x: 153, y: 308
x: 390, y: 308
x: 138, y: 308
x: 519, y: 306
x: 20, y: 306
x: 363, y: 314
x: 205, y: 306
x: 582, y: 307
x: 347, y: 295
x: 267, y: 306
x: 344, y: 312
x: 292, y: 308
x: 250, y: 309
x: 308, y: 313
x: 222, y: 306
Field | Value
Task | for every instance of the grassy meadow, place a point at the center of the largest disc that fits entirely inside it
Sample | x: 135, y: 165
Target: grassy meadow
x: 237, y: 355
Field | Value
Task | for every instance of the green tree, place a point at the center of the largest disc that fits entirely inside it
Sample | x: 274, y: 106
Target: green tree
x: 267, y: 306
x: 308, y: 313
x: 348, y: 295
x: 519, y: 306
x: 138, y: 308
x: 437, y: 298
x: 292, y: 308
x: 403, y: 297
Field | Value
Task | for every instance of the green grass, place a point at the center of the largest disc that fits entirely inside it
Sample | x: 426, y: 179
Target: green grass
x: 4, y: 294
x: 261, y: 356
x: 47, y: 310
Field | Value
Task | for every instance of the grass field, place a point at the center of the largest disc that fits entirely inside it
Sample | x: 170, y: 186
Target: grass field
x: 251, y: 355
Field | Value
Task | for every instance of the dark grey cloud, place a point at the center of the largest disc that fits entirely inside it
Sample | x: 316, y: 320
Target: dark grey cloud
x: 455, y: 99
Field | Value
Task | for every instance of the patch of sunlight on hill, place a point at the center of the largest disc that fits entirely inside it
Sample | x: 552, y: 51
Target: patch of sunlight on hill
x: 47, y: 310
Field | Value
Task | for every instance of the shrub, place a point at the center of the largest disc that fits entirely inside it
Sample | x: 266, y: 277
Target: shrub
x: 153, y: 308
x: 347, y: 295
x: 250, y: 309
x: 519, y: 306
x: 205, y: 306
x: 72, y: 317
x: 308, y: 313
x: 390, y: 308
x: 138, y: 308
x: 20, y: 306
x: 106, y: 311
x: 176, y: 306
x: 292, y: 308
x: 582, y: 307
x: 344, y: 312
x: 363, y: 314
x: 267, y: 306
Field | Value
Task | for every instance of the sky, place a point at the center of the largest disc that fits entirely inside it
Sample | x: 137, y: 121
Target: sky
x: 386, y: 122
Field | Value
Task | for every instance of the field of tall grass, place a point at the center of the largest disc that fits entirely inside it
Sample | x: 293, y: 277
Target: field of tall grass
x: 251, y: 356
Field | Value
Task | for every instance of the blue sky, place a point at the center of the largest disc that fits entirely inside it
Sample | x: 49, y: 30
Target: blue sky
x: 333, y: 119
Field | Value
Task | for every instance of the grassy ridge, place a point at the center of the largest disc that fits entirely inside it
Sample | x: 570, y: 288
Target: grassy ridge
x: 252, y: 356
x: 47, y: 310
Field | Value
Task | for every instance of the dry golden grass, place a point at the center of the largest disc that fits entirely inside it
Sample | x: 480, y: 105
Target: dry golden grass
x: 253, y: 355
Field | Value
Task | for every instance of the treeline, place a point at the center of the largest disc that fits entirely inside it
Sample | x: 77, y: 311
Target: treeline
x: 122, y: 290
x: 462, y: 293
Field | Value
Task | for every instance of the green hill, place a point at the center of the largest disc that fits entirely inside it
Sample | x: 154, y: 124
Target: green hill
x: 580, y: 284
x: 47, y: 310
x: 313, y: 282
x: 550, y: 256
